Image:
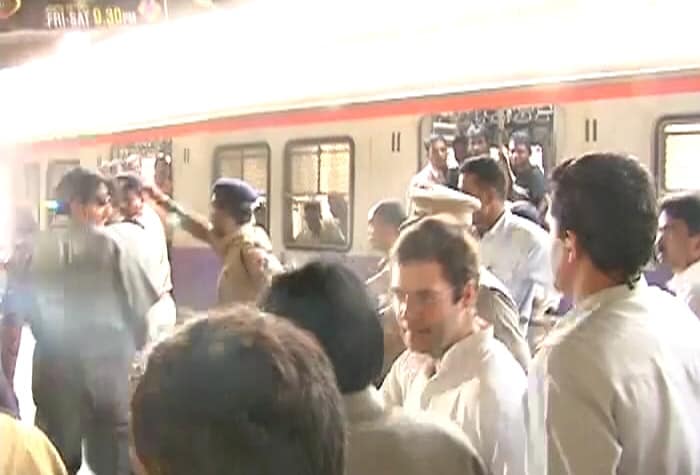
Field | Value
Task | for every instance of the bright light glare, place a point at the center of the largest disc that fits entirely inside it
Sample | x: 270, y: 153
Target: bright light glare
x: 6, y: 221
x: 326, y: 53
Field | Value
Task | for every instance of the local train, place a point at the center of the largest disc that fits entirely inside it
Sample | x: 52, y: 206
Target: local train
x: 339, y: 115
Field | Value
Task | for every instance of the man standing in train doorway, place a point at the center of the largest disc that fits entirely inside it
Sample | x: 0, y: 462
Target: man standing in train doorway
x: 246, y: 252
x: 92, y: 296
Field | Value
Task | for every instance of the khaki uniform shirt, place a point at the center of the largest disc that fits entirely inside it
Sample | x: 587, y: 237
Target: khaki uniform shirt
x: 248, y: 265
x: 388, y: 441
x: 615, y: 388
x: 478, y: 385
x: 25, y: 450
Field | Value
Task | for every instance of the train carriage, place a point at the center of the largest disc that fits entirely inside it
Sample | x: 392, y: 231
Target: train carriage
x: 334, y: 105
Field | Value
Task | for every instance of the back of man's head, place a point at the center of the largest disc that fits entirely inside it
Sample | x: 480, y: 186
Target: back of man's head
x: 241, y: 393
x: 330, y: 301
x: 79, y: 184
x: 390, y: 212
x: 608, y: 201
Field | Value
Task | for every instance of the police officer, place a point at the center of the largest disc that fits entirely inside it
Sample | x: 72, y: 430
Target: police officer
x: 245, y: 249
x: 92, y: 296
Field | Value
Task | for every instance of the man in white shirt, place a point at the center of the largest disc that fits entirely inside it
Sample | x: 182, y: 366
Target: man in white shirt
x: 615, y: 387
x: 332, y: 303
x: 439, y: 164
x: 678, y: 242
x: 515, y: 249
x: 161, y: 317
x: 454, y: 367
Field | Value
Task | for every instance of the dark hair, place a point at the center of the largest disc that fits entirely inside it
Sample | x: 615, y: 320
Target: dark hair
x: 312, y: 205
x: 434, y: 138
x: 238, y: 392
x: 683, y: 206
x: 475, y: 131
x: 526, y: 210
x: 521, y: 137
x: 609, y: 201
x: 330, y: 301
x: 488, y: 172
x: 391, y: 212
x: 129, y: 182
x: 79, y: 184
x: 455, y: 251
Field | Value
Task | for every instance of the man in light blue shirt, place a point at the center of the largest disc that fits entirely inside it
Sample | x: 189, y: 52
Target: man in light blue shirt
x: 516, y: 250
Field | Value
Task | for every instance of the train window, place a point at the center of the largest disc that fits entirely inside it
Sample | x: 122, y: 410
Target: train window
x: 249, y: 162
x: 54, y: 173
x: 677, y: 163
x: 318, y: 193
x: 152, y: 160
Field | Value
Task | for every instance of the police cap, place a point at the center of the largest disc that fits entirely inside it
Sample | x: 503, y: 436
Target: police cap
x: 232, y: 192
x: 440, y: 200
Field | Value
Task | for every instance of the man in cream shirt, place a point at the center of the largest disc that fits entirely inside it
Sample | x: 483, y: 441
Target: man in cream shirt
x: 678, y: 242
x: 454, y: 368
x: 331, y: 302
x: 615, y: 387
x: 494, y: 302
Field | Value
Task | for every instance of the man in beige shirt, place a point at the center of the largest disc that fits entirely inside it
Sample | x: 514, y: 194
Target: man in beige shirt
x: 25, y: 450
x: 332, y: 303
x: 615, y: 387
x: 454, y: 368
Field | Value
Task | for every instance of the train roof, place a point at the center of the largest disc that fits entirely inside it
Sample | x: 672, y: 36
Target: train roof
x: 270, y: 56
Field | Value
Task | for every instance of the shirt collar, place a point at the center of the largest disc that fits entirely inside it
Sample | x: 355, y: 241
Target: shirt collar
x: 611, y: 294
x: 688, y: 276
x: 499, y: 225
x: 363, y: 405
x: 464, y: 351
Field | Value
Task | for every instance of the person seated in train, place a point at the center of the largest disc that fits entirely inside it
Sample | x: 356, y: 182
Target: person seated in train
x: 383, y: 222
x: 494, y: 302
x: 678, y: 245
x: 317, y: 230
x: 93, y: 294
x: 238, y: 392
x: 515, y: 249
x: 135, y: 209
x: 248, y: 261
x: 615, y: 387
x: 436, y: 171
x: 530, y: 182
x: 25, y: 450
x: 331, y: 302
x: 454, y: 367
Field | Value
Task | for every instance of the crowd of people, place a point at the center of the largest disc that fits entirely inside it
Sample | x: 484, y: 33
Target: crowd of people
x: 454, y: 358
